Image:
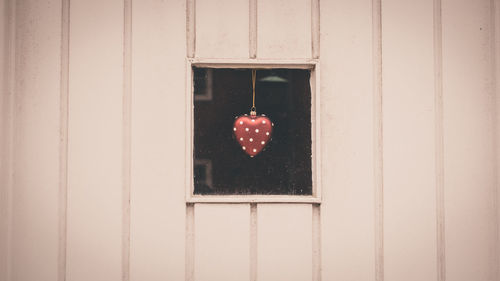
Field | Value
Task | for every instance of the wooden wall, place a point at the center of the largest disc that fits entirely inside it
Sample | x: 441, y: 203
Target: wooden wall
x: 93, y: 182
x: 6, y: 107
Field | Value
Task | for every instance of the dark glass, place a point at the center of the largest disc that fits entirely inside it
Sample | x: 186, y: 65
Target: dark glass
x: 284, y: 167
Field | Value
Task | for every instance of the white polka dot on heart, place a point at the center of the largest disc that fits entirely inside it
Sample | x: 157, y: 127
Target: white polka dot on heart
x: 254, y: 150
x: 262, y: 142
x: 246, y: 129
x: 253, y: 120
x: 251, y: 140
x: 267, y: 133
x: 256, y: 130
x: 244, y: 148
x: 241, y: 139
x: 234, y: 129
x: 241, y: 122
x: 264, y: 122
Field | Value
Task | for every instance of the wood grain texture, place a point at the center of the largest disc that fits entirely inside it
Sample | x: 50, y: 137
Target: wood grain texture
x: 158, y: 209
x: 347, y: 210
x: 94, y: 241
x: 36, y: 141
x: 284, y: 29
x: 222, y: 28
x: 468, y: 141
x: 285, y: 246
x: 409, y: 141
x: 221, y: 242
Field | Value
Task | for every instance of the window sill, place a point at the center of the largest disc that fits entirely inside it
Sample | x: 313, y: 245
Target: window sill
x: 306, y: 199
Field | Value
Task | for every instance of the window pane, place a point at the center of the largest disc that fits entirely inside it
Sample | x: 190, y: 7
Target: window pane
x: 284, y: 167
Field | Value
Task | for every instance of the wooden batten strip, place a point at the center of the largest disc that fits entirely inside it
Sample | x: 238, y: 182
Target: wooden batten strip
x: 252, y: 29
x: 378, y: 138
x: 316, y: 242
x: 126, y: 129
x: 253, y: 241
x: 439, y: 142
x: 10, y: 85
x: 191, y: 28
x: 63, y: 141
x: 495, y: 68
x: 315, y: 28
x: 190, y: 250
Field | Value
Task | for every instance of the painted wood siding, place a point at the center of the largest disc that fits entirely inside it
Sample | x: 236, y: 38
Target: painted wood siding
x: 93, y: 182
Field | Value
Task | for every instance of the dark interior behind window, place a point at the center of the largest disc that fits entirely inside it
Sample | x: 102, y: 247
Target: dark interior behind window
x: 284, y: 167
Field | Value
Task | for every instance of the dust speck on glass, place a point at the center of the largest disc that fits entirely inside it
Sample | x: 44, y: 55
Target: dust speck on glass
x: 221, y: 167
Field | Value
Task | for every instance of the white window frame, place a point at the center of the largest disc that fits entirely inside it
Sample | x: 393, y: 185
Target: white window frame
x: 313, y: 66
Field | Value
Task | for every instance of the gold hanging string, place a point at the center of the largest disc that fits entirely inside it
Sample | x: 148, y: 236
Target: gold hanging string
x: 254, y: 75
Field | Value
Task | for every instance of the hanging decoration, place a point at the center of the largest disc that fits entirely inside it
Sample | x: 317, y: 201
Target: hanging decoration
x: 253, y: 132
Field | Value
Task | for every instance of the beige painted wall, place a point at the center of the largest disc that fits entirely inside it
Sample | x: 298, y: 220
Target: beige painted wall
x: 92, y: 183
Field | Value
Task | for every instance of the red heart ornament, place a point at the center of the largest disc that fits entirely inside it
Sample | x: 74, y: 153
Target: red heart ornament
x: 252, y: 133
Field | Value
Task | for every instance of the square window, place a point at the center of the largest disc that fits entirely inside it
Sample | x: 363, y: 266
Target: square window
x: 286, y: 167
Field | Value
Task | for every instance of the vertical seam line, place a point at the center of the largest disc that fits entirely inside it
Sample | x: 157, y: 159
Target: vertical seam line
x: 127, y: 100
x: 63, y: 139
x: 496, y: 119
x: 439, y: 142
x: 191, y: 28
x: 252, y: 29
x: 316, y: 242
x: 12, y: 102
x: 190, y: 248
x: 253, y: 241
x: 378, y: 138
x: 315, y: 28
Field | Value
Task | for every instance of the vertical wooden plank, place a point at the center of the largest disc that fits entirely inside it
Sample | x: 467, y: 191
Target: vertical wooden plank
x: 316, y: 242
x: 409, y: 149
x: 378, y: 145
x: 468, y: 141
x: 7, y: 41
x: 189, y: 249
x: 347, y: 211
x: 158, y: 209
x: 284, y: 29
x: 284, y: 242
x: 126, y: 137
x: 222, y: 242
x: 252, y: 29
x: 36, y: 141
x: 253, y: 241
x: 63, y: 140
x: 94, y: 229
x: 439, y: 142
x: 222, y: 28
x: 315, y: 28
x: 495, y: 19
x: 190, y: 28
x: 5, y: 135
